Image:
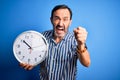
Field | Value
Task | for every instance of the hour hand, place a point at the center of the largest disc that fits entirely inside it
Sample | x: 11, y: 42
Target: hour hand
x: 27, y: 44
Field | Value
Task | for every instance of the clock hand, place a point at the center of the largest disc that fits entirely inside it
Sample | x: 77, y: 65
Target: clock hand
x: 27, y: 44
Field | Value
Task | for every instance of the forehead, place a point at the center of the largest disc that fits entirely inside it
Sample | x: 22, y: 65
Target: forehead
x: 62, y: 12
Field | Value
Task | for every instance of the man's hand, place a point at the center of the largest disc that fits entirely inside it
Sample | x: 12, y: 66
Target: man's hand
x: 80, y: 35
x: 26, y: 66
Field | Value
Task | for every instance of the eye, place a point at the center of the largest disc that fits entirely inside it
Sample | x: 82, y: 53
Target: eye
x: 65, y: 19
x: 56, y: 18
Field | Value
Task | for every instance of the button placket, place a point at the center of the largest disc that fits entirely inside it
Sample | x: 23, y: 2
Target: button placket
x: 52, y: 60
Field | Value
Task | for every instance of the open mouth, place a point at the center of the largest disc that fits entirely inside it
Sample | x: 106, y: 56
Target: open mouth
x: 60, y: 31
x: 60, y: 28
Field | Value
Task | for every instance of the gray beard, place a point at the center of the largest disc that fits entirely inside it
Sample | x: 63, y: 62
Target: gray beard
x: 59, y: 35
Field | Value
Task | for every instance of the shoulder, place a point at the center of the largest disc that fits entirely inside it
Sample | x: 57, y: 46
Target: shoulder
x: 47, y: 33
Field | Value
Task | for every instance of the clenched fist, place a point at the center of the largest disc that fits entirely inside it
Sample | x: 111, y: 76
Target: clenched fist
x: 80, y: 35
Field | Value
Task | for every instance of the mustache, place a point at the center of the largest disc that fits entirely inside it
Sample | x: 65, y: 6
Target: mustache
x: 58, y: 26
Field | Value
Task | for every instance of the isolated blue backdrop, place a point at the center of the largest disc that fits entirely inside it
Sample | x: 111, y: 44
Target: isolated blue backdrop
x: 101, y: 18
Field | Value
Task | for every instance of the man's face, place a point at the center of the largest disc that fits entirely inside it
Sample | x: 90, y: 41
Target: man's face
x: 61, y: 21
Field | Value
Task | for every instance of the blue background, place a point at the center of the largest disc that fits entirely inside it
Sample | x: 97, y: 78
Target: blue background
x: 101, y: 18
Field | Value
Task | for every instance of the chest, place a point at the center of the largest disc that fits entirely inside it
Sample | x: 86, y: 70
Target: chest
x: 62, y: 52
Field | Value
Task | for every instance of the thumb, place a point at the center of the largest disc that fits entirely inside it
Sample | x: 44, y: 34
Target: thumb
x: 75, y: 30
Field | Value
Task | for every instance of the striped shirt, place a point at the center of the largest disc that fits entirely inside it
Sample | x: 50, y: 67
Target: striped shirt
x: 62, y: 58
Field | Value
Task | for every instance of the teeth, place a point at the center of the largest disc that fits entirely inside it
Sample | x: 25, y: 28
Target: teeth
x: 60, y: 28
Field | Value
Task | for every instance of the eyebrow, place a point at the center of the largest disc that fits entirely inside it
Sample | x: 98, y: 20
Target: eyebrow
x: 64, y: 17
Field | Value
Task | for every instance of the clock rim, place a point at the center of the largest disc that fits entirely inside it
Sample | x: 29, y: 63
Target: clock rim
x: 33, y: 31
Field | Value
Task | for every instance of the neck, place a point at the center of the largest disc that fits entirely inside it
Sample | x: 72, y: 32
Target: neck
x: 58, y: 39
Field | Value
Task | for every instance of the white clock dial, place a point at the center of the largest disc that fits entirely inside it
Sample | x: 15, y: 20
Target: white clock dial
x: 30, y: 47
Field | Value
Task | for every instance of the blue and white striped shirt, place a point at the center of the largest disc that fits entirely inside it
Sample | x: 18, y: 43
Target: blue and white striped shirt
x: 62, y: 58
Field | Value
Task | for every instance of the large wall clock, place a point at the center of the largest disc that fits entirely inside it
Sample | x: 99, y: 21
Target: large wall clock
x: 30, y: 47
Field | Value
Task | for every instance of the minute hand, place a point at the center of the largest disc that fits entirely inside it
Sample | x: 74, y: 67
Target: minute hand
x: 27, y: 44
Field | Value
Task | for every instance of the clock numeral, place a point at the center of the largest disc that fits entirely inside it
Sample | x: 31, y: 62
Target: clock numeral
x: 26, y: 37
x: 23, y: 57
x: 39, y: 55
x: 21, y: 40
x: 19, y: 52
x: 43, y: 51
x: 31, y: 36
x: 18, y: 46
x: 36, y: 59
x: 28, y: 60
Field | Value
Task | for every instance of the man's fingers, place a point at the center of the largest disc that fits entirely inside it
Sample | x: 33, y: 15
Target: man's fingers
x: 78, y: 29
x: 80, y: 34
x: 22, y: 64
x: 30, y: 67
x: 26, y: 66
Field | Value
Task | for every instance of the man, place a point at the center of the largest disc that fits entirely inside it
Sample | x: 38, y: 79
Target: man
x: 64, y: 47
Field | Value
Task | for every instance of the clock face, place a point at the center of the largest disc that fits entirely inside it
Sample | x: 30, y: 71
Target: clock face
x: 30, y: 47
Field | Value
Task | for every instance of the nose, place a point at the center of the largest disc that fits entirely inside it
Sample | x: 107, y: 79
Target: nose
x: 61, y: 22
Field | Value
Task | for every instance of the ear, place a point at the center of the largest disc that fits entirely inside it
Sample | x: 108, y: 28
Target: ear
x: 51, y: 20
